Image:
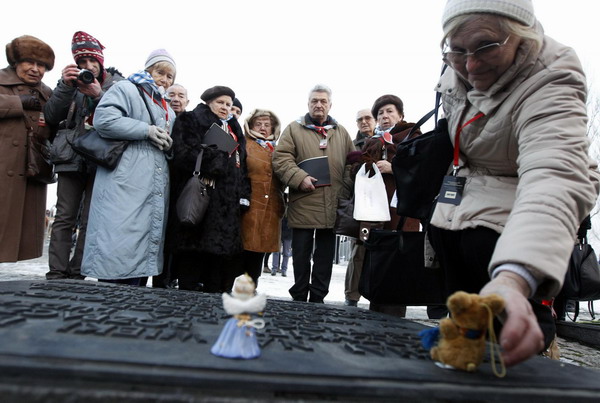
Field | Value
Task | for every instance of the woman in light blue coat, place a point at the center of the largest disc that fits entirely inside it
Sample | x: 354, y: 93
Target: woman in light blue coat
x: 127, y: 223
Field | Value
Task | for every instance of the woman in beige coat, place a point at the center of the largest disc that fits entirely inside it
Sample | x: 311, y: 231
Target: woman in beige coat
x: 261, y: 224
x: 524, y: 180
x: 22, y: 97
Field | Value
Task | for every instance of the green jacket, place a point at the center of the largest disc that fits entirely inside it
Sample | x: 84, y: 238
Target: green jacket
x: 311, y: 209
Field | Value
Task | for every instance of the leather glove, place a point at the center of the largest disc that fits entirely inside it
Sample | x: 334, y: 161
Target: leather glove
x: 30, y: 102
x: 159, y: 138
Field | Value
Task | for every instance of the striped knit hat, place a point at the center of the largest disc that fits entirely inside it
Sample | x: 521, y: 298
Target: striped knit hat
x: 85, y: 45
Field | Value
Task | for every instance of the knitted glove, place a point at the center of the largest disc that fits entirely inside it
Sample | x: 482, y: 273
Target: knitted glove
x: 159, y: 138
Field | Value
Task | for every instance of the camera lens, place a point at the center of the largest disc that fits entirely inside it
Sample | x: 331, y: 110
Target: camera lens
x: 86, y: 76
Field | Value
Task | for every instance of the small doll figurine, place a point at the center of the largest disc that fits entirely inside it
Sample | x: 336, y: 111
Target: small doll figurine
x: 238, y: 337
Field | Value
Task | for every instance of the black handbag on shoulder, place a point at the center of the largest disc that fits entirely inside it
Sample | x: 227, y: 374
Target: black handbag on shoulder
x: 420, y: 165
x: 103, y: 151
x: 582, y: 280
x: 394, y: 271
x: 345, y: 224
x: 193, y: 201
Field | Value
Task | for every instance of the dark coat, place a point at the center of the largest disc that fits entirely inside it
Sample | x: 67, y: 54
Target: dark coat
x: 56, y: 111
x: 22, y: 201
x: 373, y: 151
x: 220, y: 231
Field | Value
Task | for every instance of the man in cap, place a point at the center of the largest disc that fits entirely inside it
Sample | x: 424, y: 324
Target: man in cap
x: 236, y: 108
x: 22, y: 97
x: 312, y: 207
x: 72, y: 106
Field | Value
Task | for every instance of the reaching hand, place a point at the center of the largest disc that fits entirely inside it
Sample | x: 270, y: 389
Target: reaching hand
x: 307, y: 184
x: 159, y: 138
x: 521, y: 336
x: 30, y: 102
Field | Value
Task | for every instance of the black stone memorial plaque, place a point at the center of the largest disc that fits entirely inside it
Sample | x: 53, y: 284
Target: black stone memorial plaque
x: 95, y: 342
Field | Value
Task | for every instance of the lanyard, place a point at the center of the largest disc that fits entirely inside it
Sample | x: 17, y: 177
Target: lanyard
x: 455, y: 165
x: 162, y: 104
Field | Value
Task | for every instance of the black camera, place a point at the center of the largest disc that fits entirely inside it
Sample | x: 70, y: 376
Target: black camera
x: 86, y: 76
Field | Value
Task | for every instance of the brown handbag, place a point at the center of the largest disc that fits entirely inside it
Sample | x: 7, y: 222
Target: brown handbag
x: 193, y: 201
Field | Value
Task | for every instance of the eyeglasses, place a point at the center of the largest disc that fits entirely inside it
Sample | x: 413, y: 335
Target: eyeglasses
x: 258, y: 125
x: 460, y: 57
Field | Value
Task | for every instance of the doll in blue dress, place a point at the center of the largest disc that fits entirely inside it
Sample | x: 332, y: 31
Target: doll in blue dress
x: 238, y: 337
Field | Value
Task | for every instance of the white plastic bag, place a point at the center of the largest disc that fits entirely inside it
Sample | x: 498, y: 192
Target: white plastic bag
x: 370, y: 197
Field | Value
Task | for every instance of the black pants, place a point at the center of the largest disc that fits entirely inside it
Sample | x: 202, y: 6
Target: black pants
x: 74, y: 193
x: 252, y: 263
x: 465, y: 256
x: 315, y: 281
x: 200, y: 271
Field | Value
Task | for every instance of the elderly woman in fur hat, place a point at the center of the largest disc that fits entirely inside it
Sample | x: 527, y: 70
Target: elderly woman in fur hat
x: 261, y: 225
x: 206, y: 254
x: 22, y: 97
x: 379, y: 150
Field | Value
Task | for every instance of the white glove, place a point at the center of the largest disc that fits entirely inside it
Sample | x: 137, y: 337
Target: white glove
x: 159, y: 138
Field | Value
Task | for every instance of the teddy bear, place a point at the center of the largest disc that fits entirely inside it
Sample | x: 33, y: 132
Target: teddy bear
x: 462, y: 338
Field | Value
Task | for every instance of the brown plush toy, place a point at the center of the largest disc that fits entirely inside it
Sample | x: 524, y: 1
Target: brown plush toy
x: 462, y: 336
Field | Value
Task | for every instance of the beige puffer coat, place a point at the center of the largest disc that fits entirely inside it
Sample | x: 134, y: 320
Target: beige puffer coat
x: 526, y: 161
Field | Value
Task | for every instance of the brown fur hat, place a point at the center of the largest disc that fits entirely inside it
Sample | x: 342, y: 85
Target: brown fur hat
x: 29, y: 47
x: 386, y: 100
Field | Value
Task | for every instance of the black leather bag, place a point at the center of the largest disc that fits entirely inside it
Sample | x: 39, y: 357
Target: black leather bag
x: 582, y: 281
x: 394, y: 271
x: 39, y: 167
x: 61, y: 151
x: 99, y: 150
x: 420, y: 165
x: 345, y: 224
x: 193, y: 201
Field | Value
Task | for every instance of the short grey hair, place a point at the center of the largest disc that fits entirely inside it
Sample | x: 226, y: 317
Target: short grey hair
x: 508, y: 25
x: 320, y: 88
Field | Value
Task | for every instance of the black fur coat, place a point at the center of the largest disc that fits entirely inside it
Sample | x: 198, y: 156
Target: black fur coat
x: 219, y: 233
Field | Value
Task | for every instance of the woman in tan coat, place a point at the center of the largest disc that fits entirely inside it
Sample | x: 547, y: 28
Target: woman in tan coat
x: 261, y: 224
x: 22, y: 97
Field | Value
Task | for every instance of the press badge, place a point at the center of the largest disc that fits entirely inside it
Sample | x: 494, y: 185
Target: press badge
x: 323, y: 144
x: 452, y: 189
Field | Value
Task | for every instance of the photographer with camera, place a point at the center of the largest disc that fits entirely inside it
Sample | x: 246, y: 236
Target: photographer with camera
x: 71, y: 107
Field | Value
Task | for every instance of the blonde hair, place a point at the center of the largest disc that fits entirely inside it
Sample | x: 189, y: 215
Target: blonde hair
x: 163, y: 65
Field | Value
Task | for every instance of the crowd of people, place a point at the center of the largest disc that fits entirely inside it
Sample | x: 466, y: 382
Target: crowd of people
x: 514, y: 96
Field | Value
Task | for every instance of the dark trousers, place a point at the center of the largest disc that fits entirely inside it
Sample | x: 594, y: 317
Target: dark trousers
x: 252, y: 263
x: 74, y: 190
x: 316, y: 281
x: 201, y: 271
x: 465, y: 256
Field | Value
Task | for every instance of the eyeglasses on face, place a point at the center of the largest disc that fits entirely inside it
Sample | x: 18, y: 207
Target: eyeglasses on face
x: 459, y: 56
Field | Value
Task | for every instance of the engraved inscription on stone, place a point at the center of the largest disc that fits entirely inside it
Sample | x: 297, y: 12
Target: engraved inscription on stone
x: 91, y: 310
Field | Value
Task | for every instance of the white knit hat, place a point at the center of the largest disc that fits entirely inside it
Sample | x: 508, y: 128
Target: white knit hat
x: 518, y: 10
x: 159, y: 55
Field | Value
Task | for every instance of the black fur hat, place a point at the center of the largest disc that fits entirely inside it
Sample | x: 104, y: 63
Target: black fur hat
x: 216, y: 92
x: 28, y: 47
x: 386, y: 100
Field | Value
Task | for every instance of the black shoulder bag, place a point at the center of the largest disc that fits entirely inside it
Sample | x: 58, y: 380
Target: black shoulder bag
x: 394, y: 270
x: 420, y: 164
x: 103, y: 151
x: 193, y: 200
